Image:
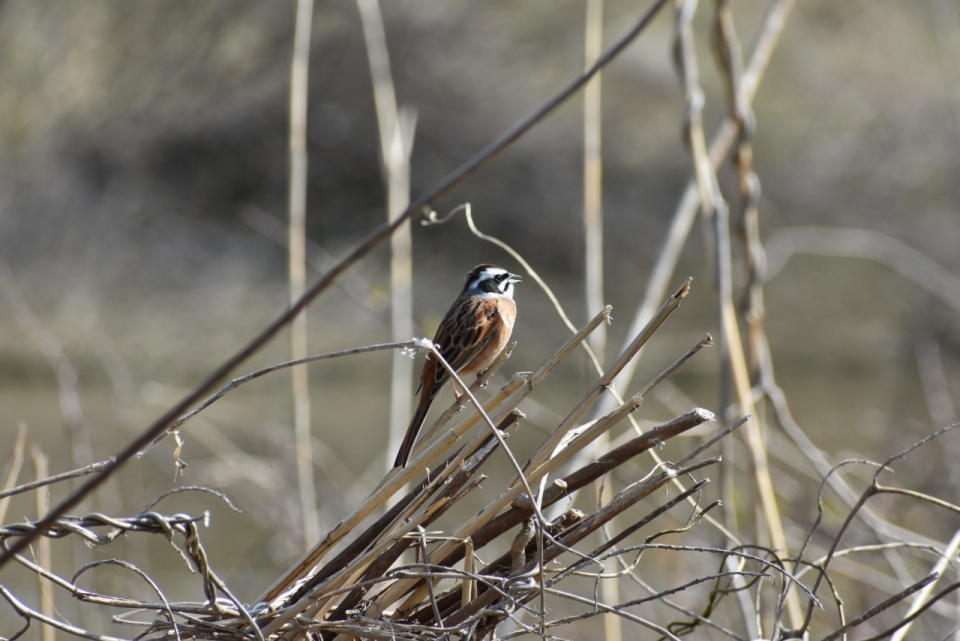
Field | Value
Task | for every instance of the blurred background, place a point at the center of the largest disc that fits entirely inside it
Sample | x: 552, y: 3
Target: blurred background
x: 143, y: 202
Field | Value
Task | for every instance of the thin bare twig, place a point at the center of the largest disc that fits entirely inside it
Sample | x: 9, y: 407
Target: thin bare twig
x: 910, y: 618
x: 880, y: 607
x: 29, y: 614
x: 56, y: 478
x: 922, y: 596
x: 614, y: 610
x: 869, y: 492
x: 141, y: 574
x: 240, y: 380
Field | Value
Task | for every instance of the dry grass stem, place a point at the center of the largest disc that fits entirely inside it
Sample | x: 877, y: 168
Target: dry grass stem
x: 41, y: 466
x: 681, y: 223
x: 396, y: 128
x: 880, y: 607
x: 299, y: 90
x: 13, y: 470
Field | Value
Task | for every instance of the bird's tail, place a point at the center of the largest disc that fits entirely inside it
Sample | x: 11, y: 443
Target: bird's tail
x: 411, y: 436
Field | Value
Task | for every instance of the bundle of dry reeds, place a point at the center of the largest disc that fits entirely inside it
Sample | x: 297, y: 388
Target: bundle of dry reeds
x: 364, y: 590
x: 360, y: 591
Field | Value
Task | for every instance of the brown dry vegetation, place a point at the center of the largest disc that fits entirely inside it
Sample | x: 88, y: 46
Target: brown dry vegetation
x: 143, y: 193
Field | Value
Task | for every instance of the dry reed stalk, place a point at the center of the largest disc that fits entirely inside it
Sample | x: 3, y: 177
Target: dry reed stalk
x: 451, y: 606
x: 513, y: 393
x: 396, y: 129
x: 433, y: 597
x: 452, y: 488
x: 299, y: 85
x: 593, y: 237
x: 579, y: 531
x: 13, y: 469
x: 42, y: 469
x: 682, y: 221
x: 593, y: 173
x: 384, y: 561
x: 605, y: 381
x: 369, y: 536
x: 713, y: 204
x: 521, y: 508
x: 724, y: 137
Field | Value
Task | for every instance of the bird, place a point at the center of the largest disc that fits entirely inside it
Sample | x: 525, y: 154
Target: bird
x: 471, y: 335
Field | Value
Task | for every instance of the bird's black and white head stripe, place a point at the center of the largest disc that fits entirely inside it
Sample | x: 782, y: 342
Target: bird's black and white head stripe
x: 490, y: 280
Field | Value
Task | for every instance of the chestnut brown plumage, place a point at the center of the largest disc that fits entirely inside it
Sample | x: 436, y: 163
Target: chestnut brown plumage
x: 474, y: 331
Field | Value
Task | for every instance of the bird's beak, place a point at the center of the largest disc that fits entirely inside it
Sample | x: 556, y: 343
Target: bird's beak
x: 515, y: 278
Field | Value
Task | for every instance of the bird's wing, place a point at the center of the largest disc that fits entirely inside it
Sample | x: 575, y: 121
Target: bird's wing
x: 463, y: 334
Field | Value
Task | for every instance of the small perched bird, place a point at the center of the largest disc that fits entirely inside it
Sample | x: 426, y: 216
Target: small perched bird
x: 473, y: 333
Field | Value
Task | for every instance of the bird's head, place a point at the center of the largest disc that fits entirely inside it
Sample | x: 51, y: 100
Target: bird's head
x: 490, y: 280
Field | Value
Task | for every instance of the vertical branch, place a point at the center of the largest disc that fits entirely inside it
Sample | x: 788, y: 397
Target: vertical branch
x: 299, y: 79
x: 731, y: 348
x: 593, y: 237
x: 16, y: 461
x: 731, y: 64
x: 593, y: 176
x: 396, y: 144
x: 43, y: 545
x: 724, y: 137
x: 401, y: 283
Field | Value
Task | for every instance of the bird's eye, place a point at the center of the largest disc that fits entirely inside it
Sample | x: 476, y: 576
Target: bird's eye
x: 500, y: 277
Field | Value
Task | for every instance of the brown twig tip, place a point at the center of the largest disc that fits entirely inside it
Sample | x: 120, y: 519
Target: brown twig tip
x: 703, y: 415
x: 684, y: 289
x: 707, y: 341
